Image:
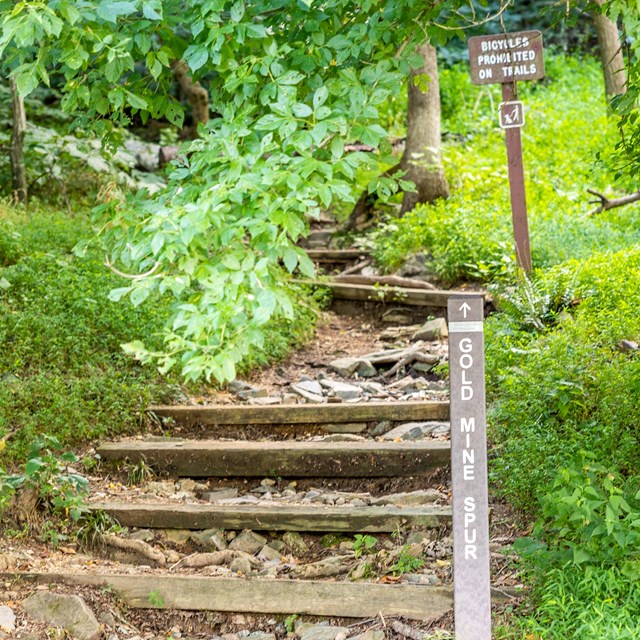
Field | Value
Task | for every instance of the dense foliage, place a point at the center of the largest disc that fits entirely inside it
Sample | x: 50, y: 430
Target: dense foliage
x: 62, y: 368
x: 470, y: 235
x: 290, y: 83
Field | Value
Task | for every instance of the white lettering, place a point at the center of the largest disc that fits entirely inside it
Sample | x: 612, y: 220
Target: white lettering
x: 465, y: 345
x: 467, y: 425
x: 466, y: 361
x: 468, y: 472
x: 468, y: 456
x: 466, y: 393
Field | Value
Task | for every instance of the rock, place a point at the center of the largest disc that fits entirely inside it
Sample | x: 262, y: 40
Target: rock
x: 161, y: 488
x: 409, y: 499
x: 346, y: 427
x: 261, y: 635
x: 307, y: 386
x: 269, y: 554
x: 210, y: 538
x: 248, y: 541
x: 418, y: 537
x: 413, y: 430
x: 220, y: 494
x: 398, y: 316
x: 7, y: 619
x: 269, y: 400
x: 443, y: 430
x: 146, y: 535
x: 252, y: 393
x: 342, y: 389
x: 321, y: 632
x: 312, y: 495
x: 432, y: 330
x: 71, y: 613
x: 248, y: 499
x: 278, y: 545
x: 365, y: 369
x: 348, y: 366
x: 381, y: 428
x: 415, y: 266
x: 370, y: 635
x: 187, y: 484
x: 172, y: 556
x: 176, y: 536
x: 409, y: 384
x: 295, y: 543
x: 421, y: 578
x: 241, y: 565
x: 146, y: 154
x: 309, y: 396
x: 343, y: 437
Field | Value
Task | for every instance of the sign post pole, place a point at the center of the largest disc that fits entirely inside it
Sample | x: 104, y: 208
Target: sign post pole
x: 516, y: 185
x: 471, y: 580
x: 506, y: 59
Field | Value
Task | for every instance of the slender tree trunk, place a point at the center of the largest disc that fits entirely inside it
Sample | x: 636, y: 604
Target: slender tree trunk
x: 615, y: 77
x: 422, y: 159
x: 195, y: 93
x: 18, y: 169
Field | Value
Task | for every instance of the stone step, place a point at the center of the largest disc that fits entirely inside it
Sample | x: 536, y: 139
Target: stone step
x: 312, y: 518
x: 214, y: 458
x: 303, y: 413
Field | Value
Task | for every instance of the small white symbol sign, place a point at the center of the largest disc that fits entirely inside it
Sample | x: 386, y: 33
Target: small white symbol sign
x: 511, y: 114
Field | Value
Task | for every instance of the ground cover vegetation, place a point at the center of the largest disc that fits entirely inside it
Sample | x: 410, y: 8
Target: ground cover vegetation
x: 562, y: 365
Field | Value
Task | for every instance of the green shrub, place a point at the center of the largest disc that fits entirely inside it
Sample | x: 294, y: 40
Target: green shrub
x: 62, y: 367
x: 469, y: 236
x: 569, y: 386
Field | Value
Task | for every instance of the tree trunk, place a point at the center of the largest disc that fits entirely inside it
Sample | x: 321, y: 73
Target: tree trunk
x: 18, y: 170
x: 615, y: 77
x: 195, y: 93
x: 421, y: 159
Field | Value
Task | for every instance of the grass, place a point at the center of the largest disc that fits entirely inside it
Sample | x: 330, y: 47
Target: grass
x: 469, y: 236
x: 62, y: 369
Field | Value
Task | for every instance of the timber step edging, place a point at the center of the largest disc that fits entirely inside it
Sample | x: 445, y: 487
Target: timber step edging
x: 317, y: 518
x: 335, y: 599
x: 213, y: 458
x: 398, y: 295
x: 303, y: 413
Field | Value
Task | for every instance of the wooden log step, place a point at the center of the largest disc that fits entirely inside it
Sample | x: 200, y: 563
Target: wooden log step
x: 409, y: 297
x: 304, y: 413
x: 312, y: 597
x: 337, y: 255
x: 309, y: 597
x: 389, y: 281
x: 344, y: 519
x: 212, y: 458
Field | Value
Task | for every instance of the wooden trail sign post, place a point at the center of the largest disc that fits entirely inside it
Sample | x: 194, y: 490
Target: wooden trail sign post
x: 471, y: 582
x: 506, y: 59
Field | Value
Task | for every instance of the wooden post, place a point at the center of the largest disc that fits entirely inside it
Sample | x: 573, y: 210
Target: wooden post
x: 18, y: 170
x: 516, y: 185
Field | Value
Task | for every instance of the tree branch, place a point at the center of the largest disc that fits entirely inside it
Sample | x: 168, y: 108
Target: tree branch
x: 604, y: 203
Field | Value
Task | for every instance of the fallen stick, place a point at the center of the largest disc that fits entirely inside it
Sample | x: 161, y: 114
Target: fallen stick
x: 604, y: 203
x: 410, y: 358
x: 390, y: 281
x: 355, y: 268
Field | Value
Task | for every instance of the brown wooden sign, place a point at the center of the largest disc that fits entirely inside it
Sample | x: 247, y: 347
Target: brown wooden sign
x: 506, y: 57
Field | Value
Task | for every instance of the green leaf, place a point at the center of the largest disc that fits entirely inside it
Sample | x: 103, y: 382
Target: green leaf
x: 320, y: 96
x: 290, y: 259
x: 137, y: 102
x: 337, y: 147
x: 110, y: 10
x: 196, y: 56
x: 290, y: 78
x: 152, y: 9
x: 237, y: 11
x: 301, y: 110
